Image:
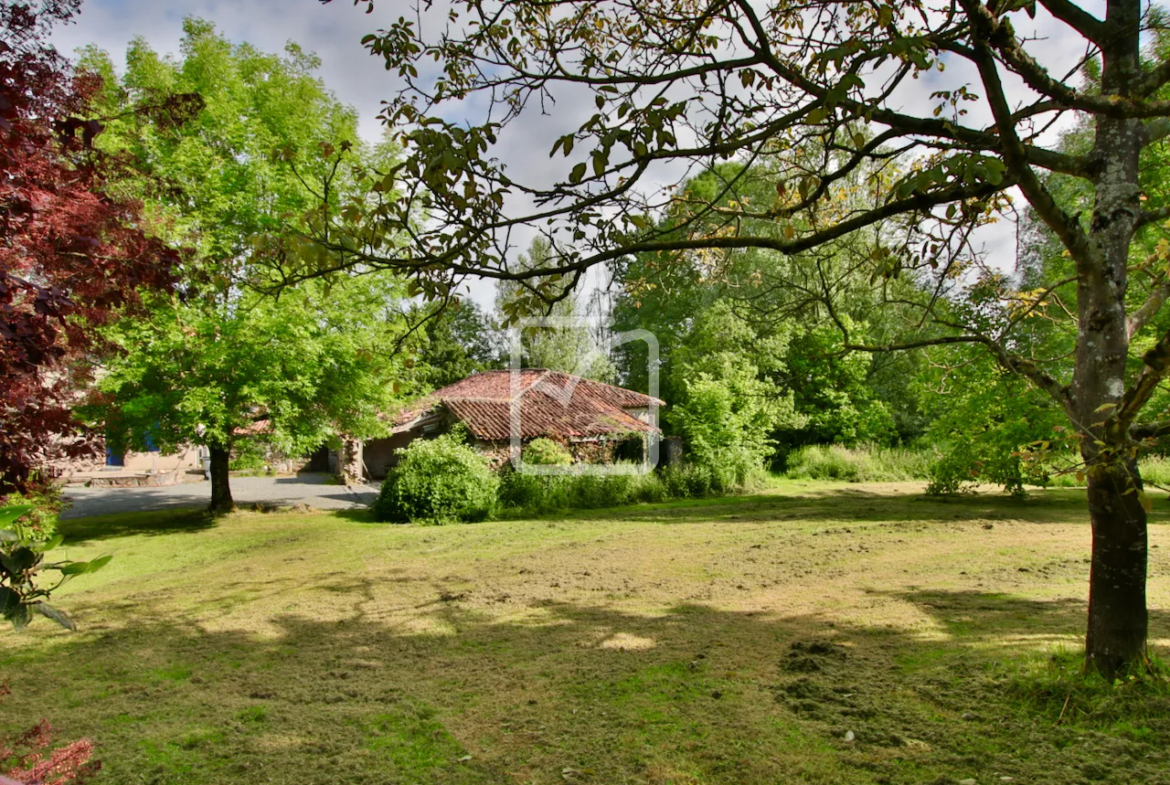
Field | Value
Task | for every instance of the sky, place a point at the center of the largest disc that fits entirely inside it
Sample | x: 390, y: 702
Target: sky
x: 334, y: 32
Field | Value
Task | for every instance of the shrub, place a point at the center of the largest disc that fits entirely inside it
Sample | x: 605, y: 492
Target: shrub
x: 534, y: 494
x: 438, y: 481
x: 28, y: 756
x: 725, y: 423
x: 546, y: 452
x: 40, y: 522
x: 24, y: 592
x: 694, y: 482
x: 1155, y: 469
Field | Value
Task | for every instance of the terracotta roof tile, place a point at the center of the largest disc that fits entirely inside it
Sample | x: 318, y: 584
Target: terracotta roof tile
x: 550, y: 404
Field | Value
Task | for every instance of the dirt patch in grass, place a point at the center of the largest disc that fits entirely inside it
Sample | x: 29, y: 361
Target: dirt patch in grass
x: 810, y: 634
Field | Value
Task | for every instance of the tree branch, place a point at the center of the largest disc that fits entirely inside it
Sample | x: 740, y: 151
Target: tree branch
x: 986, y: 28
x: 1010, y: 362
x: 1153, y: 80
x: 1001, y: 36
x: 1157, y: 129
x: 1077, y: 18
x: 1154, y: 364
x: 1149, y: 430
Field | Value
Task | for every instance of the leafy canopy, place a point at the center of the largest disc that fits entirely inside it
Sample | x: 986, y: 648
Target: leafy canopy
x: 270, y: 145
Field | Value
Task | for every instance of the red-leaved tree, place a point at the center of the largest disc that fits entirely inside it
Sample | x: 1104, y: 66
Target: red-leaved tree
x: 71, y: 253
x: 28, y: 757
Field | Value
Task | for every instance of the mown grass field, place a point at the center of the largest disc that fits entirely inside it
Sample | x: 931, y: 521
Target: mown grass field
x: 813, y: 633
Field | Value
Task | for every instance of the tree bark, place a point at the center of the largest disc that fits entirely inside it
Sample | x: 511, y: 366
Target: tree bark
x: 1118, y: 622
x: 1117, y: 625
x: 221, y: 491
x: 349, y: 462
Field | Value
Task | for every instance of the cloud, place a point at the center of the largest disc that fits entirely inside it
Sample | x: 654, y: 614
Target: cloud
x: 334, y: 32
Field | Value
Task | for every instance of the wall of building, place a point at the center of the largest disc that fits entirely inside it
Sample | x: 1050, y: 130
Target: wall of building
x: 379, y: 454
x: 147, y: 463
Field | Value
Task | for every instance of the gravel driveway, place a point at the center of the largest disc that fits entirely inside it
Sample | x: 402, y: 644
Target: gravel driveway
x: 311, y: 489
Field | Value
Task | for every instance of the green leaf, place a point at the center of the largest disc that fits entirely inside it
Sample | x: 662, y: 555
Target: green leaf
x: 600, y: 161
x: 20, y: 616
x: 8, y: 599
x: 641, y: 221
x: 7, y: 535
x: 48, y: 545
x: 19, y: 560
x: 577, y: 174
x: 10, y: 513
x: 49, y: 612
x: 100, y: 562
x: 83, y: 567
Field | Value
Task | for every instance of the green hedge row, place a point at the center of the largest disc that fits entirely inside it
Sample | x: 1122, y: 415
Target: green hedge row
x: 443, y: 481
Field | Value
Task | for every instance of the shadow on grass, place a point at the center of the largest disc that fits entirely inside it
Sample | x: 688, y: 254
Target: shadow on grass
x: 103, y: 527
x: 559, y: 692
x: 860, y: 505
x: 357, y: 515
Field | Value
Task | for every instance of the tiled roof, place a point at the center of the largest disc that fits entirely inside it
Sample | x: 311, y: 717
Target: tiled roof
x: 550, y: 404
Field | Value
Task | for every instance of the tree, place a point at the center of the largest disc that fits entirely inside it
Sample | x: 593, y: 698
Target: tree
x: 562, y: 340
x: 678, y: 82
x: 292, y: 372
x: 72, y: 254
x: 780, y: 329
x: 458, y: 342
x: 218, y: 359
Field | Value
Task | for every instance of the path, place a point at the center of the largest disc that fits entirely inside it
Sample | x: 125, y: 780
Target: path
x: 315, y: 490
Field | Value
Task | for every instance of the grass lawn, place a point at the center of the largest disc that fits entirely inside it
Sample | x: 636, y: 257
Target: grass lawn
x: 813, y: 633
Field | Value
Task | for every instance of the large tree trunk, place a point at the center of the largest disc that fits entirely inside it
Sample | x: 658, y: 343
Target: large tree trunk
x: 349, y: 462
x: 1117, y: 583
x: 221, y: 491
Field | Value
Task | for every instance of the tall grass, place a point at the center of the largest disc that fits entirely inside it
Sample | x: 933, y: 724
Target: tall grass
x: 1154, y: 469
x: 865, y: 463
x: 869, y: 463
x: 531, y: 494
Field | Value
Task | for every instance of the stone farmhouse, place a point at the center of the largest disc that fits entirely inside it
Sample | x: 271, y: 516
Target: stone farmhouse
x: 596, y: 421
